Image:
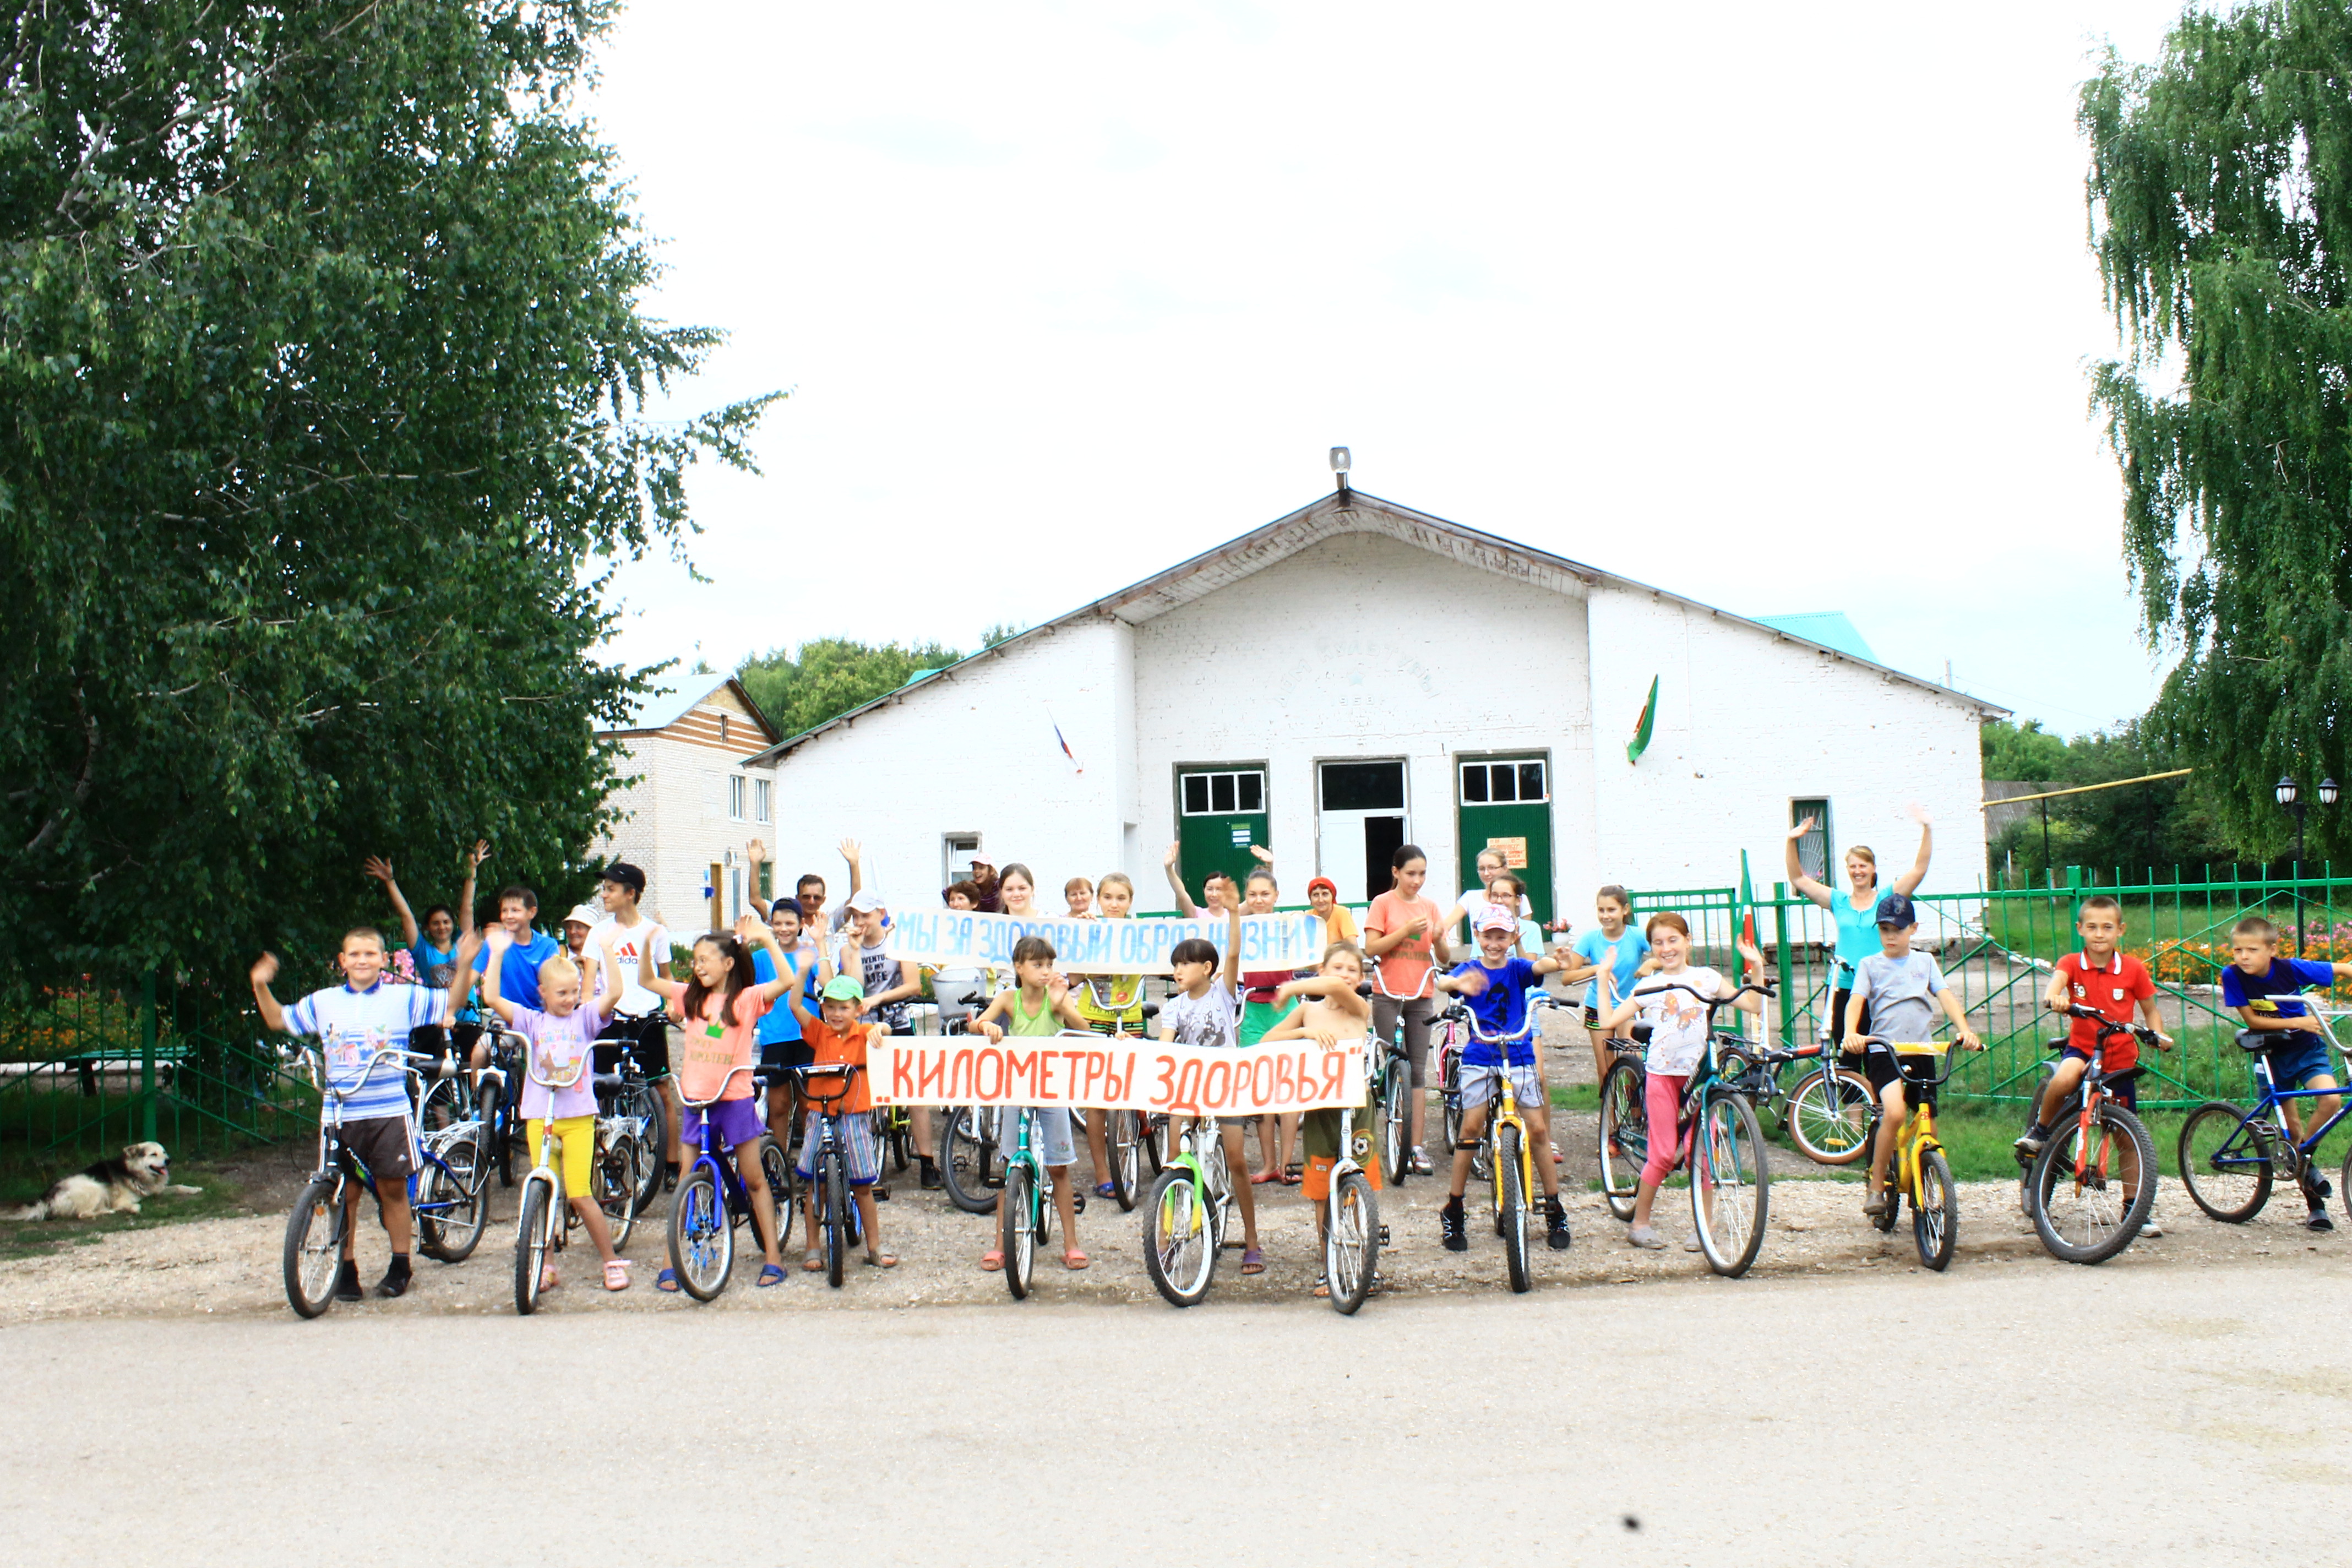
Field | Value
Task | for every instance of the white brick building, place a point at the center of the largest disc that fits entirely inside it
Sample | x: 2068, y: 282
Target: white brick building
x: 695, y: 791
x: 1356, y: 674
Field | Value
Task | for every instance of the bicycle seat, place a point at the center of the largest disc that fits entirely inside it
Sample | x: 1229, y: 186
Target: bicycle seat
x: 1641, y: 1034
x: 605, y: 1083
x: 2054, y: 1046
x: 2254, y: 1042
x: 1151, y: 1009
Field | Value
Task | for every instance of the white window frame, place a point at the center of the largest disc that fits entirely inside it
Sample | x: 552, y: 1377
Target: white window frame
x: 1801, y: 807
x: 1486, y: 765
x: 950, y: 843
x: 763, y: 799
x: 1185, y: 775
x: 735, y: 793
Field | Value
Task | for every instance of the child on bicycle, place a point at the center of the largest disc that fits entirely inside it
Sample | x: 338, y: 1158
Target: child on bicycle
x: 1199, y: 1011
x: 353, y: 1022
x: 562, y: 1038
x: 1494, y: 986
x: 2265, y: 989
x: 1037, y: 1004
x: 781, y: 1049
x: 1330, y: 1011
x: 1111, y: 1004
x: 2109, y: 982
x: 837, y: 1036
x: 1609, y: 958
x: 718, y: 1010
x: 1673, y: 1001
x: 1260, y: 1013
x: 890, y: 984
x: 1895, y: 993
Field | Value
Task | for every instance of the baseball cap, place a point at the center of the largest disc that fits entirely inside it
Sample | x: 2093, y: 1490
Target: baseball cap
x: 587, y: 916
x: 843, y: 988
x: 626, y: 875
x: 864, y: 902
x: 1896, y: 909
x: 1498, y: 918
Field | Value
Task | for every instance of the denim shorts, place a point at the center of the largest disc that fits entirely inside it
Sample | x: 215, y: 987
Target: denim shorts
x: 1049, y: 1134
x: 1478, y: 1086
x: 2297, y: 1059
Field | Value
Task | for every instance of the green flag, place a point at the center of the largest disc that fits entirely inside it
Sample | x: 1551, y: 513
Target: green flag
x: 1641, y: 742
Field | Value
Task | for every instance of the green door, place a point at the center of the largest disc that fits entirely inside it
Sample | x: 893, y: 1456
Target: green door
x: 1220, y: 813
x: 1504, y: 802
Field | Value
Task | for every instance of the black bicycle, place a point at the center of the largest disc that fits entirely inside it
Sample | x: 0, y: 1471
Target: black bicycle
x: 828, y: 1166
x: 623, y: 1090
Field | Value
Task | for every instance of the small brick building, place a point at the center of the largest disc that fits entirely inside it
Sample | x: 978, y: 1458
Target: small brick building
x: 1359, y: 674
x: 694, y: 790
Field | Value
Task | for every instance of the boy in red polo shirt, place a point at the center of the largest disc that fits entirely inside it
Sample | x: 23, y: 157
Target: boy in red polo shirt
x: 2112, y: 983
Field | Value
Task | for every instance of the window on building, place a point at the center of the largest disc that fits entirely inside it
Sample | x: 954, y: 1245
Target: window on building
x: 1214, y: 795
x: 1814, y: 849
x: 764, y: 800
x: 735, y: 796
x: 726, y: 723
x: 1502, y: 784
x: 956, y: 850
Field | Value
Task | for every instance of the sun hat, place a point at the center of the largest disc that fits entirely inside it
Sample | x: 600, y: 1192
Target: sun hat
x: 843, y: 988
x: 586, y: 915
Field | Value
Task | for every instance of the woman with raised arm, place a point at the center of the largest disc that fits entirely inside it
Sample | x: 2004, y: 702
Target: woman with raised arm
x: 1856, y: 910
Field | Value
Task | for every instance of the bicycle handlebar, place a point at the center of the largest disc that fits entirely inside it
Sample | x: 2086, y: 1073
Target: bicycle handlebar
x: 2108, y: 1027
x: 706, y: 1104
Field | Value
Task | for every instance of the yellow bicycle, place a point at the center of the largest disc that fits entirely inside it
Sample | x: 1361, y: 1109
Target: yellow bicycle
x: 1503, y: 1155
x: 1918, y: 1170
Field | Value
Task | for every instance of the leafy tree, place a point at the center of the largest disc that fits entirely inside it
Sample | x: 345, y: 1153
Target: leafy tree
x: 2221, y: 195
x: 1002, y: 631
x: 2130, y: 830
x: 2025, y: 752
x: 832, y: 675
x: 319, y: 344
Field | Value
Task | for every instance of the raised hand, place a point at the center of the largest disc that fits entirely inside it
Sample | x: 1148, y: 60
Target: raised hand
x: 1261, y: 854
x: 479, y: 853
x: 748, y: 931
x: 265, y: 969
x: 1919, y: 814
x: 379, y: 868
x: 1168, y: 859
x: 1473, y: 983
x: 498, y: 939
x: 851, y: 850
x: 756, y: 852
x: 1802, y: 828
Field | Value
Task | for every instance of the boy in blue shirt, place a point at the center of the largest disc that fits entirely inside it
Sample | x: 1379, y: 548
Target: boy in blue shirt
x: 2265, y: 990
x: 1494, y: 986
x: 353, y: 1022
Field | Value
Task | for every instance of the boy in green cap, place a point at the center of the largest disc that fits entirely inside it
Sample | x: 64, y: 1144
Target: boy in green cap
x: 838, y: 1038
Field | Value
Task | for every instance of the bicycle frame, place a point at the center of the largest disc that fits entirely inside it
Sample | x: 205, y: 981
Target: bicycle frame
x: 730, y: 1185
x: 330, y: 1130
x: 1506, y: 1111
x: 1216, y: 1197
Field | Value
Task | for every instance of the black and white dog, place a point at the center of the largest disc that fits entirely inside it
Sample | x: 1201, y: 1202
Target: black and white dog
x: 110, y: 1186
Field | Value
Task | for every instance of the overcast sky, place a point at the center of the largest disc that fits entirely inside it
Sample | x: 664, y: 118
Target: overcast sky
x: 1783, y: 308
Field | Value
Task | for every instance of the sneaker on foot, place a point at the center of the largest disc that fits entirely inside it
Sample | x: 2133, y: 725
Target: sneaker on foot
x: 2150, y: 1230
x: 2320, y: 1188
x: 2035, y: 1137
x: 347, y: 1282
x: 1874, y: 1206
x: 1556, y: 1236
x: 1449, y: 1228
x: 1420, y: 1161
x: 394, y: 1282
x: 929, y: 1178
x: 1690, y: 1245
x: 2319, y: 1221
x: 1646, y: 1237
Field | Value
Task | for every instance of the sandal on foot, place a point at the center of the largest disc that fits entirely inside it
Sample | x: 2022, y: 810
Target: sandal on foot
x: 1252, y: 1261
x: 666, y: 1281
x: 771, y: 1274
x: 1075, y: 1261
x: 1263, y: 1177
x: 1105, y: 1190
x: 814, y: 1262
x: 616, y: 1274
x: 990, y: 1262
x: 882, y: 1261
x: 1323, y: 1287
x: 547, y: 1279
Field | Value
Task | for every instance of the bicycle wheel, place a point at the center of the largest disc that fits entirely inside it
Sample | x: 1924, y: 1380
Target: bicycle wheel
x: 645, y: 1105
x: 615, y: 1187
x: 530, y: 1247
x: 2223, y: 1164
x: 832, y: 1183
x: 1731, y: 1187
x: 961, y: 1166
x: 1155, y: 1153
x: 1511, y: 1216
x: 1351, y: 1242
x: 782, y: 1187
x: 902, y: 1140
x: 314, y: 1246
x: 1180, y: 1242
x: 2085, y: 1207
x: 1624, y: 1135
x: 1123, y: 1134
x: 1396, y: 1123
x: 701, y: 1236
x: 454, y: 1186
x: 1016, y: 1229
x: 1934, y: 1213
x: 1829, y: 1117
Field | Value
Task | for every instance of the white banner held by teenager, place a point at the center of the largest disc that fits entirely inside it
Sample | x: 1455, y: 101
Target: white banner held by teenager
x: 1097, y: 1072
x: 964, y: 939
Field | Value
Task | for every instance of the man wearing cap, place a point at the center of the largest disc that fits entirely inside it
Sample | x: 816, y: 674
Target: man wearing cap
x: 637, y: 1017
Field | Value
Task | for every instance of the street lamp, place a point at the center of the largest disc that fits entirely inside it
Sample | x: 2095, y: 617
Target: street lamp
x: 2291, y: 801
x: 1341, y: 461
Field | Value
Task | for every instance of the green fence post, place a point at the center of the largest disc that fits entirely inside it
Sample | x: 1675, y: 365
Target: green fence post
x: 147, y: 1059
x: 2074, y: 898
x: 1788, y: 970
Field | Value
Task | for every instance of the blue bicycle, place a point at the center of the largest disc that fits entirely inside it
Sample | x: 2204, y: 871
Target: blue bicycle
x: 444, y: 1191
x: 712, y: 1201
x: 2230, y: 1155
x: 828, y: 1163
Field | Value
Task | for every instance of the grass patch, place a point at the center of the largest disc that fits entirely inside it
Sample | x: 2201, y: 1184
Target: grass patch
x: 31, y: 1238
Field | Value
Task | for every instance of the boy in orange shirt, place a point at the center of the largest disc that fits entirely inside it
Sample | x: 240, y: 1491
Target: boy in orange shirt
x: 836, y: 1038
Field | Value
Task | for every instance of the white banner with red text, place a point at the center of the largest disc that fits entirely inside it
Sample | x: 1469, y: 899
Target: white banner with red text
x: 1097, y: 1072
x: 965, y: 939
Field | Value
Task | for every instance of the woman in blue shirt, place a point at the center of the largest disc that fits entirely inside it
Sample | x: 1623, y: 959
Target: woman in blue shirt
x: 1856, y: 911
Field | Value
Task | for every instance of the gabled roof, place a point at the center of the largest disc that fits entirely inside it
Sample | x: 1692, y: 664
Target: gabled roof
x: 657, y: 711
x: 1355, y: 511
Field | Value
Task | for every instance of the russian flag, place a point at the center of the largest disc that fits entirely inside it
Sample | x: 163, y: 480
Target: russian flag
x: 1062, y: 742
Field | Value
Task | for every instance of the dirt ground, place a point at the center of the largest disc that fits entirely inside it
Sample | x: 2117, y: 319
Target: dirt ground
x: 231, y: 1265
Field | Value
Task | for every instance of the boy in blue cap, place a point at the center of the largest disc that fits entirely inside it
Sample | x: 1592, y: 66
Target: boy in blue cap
x: 1897, y: 991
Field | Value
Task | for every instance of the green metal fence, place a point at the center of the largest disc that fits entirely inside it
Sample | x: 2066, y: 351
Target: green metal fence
x: 1998, y: 945
x: 86, y: 1068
